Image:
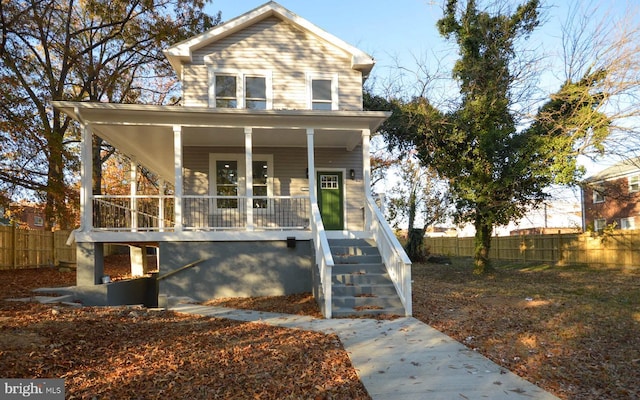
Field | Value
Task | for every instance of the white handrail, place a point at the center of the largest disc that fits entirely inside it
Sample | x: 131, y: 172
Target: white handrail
x: 324, y: 259
x: 396, y: 260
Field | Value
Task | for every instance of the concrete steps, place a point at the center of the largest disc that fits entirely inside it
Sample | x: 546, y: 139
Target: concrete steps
x: 360, y: 283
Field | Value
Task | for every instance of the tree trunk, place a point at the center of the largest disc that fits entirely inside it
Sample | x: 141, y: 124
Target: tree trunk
x: 415, y: 245
x: 415, y: 237
x: 481, y: 262
x: 96, y: 159
x: 56, y: 211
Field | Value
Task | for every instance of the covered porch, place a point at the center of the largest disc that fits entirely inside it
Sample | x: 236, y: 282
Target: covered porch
x: 246, y: 198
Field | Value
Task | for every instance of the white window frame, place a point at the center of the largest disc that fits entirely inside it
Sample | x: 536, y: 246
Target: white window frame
x: 599, y: 224
x: 634, y: 183
x: 240, y: 84
x: 242, y: 176
x: 311, y: 76
x: 628, y: 223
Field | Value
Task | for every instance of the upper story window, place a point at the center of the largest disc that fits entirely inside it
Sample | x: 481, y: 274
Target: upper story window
x: 634, y: 183
x: 322, y: 91
x: 321, y: 94
x: 255, y: 92
x: 226, y: 91
x: 598, y: 196
x: 244, y: 89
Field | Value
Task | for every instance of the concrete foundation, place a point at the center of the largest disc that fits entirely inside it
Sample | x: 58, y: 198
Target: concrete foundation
x: 234, y: 269
x: 136, y: 291
x: 90, y: 263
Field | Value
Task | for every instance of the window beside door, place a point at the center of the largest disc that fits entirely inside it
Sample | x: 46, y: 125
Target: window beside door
x: 260, y: 183
x: 228, y: 178
x: 226, y: 183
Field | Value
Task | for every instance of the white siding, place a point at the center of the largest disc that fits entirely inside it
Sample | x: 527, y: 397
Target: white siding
x: 288, y: 52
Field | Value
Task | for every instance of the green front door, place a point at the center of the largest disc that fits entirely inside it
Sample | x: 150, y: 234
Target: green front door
x: 331, y: 200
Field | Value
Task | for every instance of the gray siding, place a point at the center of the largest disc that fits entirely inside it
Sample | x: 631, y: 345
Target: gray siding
x: 235, y: 269
x: 288, y: 52
x: 290, y: 179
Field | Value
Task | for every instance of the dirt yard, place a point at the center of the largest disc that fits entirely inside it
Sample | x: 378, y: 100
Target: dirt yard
x: 124, y: 352
x: 571, y: 330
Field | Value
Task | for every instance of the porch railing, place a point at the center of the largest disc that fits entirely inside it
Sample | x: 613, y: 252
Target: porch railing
x: 208, y: 213
x: 393, y: 255
x: 133, y: 213
x: 324, y: 259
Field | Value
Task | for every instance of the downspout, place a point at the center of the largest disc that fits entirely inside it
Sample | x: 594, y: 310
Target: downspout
x: 583, y: 210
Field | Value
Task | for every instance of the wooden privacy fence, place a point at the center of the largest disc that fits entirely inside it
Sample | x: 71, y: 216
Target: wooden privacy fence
x: 26, y: 248
x: 620, y: 248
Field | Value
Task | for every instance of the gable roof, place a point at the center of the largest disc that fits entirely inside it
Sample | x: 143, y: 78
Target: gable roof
x: 618, y: 170
x: 182, y: 52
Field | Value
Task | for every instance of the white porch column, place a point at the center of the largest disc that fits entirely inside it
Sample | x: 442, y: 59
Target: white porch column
x: 139, y: 260
x: 248, y: 156
x: 177, y: 162
x: 86, y: 178
x: 366, y: 161
x: 133, y: 190
x: 161, y: 190
x: 311, y: 166
x: 366, y: 173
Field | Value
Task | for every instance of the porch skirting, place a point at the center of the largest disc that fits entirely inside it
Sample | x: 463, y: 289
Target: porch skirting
x: 234, y: 269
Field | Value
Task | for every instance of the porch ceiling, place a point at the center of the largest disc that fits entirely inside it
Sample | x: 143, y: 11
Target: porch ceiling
x: 145, y: 133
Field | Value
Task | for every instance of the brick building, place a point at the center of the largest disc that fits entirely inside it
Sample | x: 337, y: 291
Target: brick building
x: 612, y: 197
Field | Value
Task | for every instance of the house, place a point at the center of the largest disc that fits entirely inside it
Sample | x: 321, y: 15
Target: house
x: 24, y: 215
x: 612, y: 197
x: 267, y: 161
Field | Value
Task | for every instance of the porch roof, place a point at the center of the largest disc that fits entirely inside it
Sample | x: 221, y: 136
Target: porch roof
x: 145, y: 132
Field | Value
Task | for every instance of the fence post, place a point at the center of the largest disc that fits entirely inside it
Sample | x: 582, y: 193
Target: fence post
x: 52, y: 262
x: 559, y: 255
x: 14, y: 246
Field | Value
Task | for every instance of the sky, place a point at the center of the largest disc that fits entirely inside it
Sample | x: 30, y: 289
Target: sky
x: 403, y: 32
x: 382, y: 29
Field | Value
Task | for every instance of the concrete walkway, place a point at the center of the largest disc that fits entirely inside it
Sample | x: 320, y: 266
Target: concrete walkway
x: 401, y: 359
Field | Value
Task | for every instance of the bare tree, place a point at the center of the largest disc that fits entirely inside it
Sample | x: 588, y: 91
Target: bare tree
x: 91, y: 50
x: 419, y: 195
x: 610, y: 47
